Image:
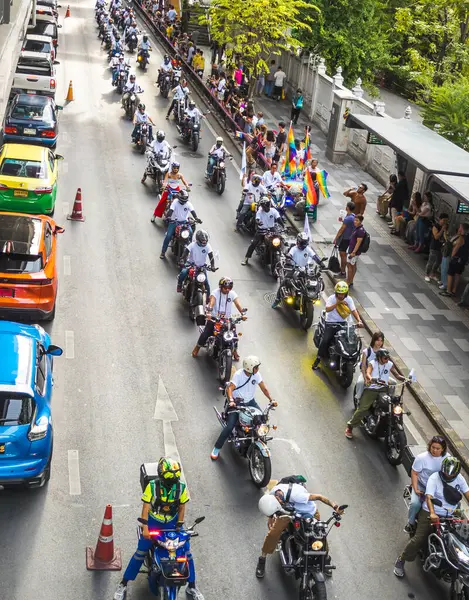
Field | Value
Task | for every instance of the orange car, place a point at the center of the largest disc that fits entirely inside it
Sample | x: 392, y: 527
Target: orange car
x: 28, y: 266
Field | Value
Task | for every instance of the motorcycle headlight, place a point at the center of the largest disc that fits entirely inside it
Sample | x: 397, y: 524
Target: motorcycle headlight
x: 263, y: 429
x: 185, y: 234
x: 201, y: 277
x: 397, y: 410
x: 222, y: 164
x: 276, y: 242
x: 317, y: 545
x: 132, y: 98
x: 228, y: 336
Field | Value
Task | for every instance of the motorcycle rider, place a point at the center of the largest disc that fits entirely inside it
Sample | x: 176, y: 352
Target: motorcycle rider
x: 219, y: 305
x: 172, y: 182
x: 217, y: 153
x: 119, y: 66
x: 446, y: 485
x: 252, y: 192
x: 240, y: 392
x: 130, y: 29
x: 160, y: 147
x: 377, y: 374
x: 179, y: 212
x: 271, y: 505
x: 164, y: 506
x: 272, y: 178
x: 196, y: 253
x: 339, y: 306
x: 299, y: 255
x: 131, y: 87
x: 180, y: 92
x: 145, y: 46
x: 165, y: 69
x: 140, y: 117
x: 266, y: 218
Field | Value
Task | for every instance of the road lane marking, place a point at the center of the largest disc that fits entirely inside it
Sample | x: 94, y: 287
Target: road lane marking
x: 69, y: 344
x: 294, y: 446
x: 67, y: 265
x: 74, y: 473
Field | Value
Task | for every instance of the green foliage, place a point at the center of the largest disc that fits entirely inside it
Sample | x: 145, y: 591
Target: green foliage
x: 448, y: 109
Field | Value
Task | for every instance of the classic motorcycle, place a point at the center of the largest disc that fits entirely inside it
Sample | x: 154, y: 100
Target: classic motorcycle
x: 121, y: 79
x: 250, y: 437
x: 385, y: 420
x: 344, y: 351
x: 167, y: 563
x: 304, y: 551
x: 177, y: 74
x: 218, y: 178
x: 165, y: 84
x: 300, y: 288
x: 132, y: 42
x: 271, y: 248
x: 193, y: 290
x: 143, y: 58
x: 190, y: 131
x: 130, y: 105
x: 142, y: 137
x: 156, y: 169
x: 248, y: 224
x: 182, y: 237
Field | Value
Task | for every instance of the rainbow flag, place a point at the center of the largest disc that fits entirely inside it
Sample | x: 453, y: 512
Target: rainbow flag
x: 308, y: 153
x: 311, y: 197
x: 321, y: 177
x: 289, y: 169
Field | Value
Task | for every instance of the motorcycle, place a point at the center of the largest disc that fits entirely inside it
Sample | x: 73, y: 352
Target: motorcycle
x: 143, y: 58
x: 167, y: 563
x: 250, y: 437
x: 385, y: 420
x: 218, y: 178
x: 344, y: 351
x: 301, y: 289
x: 182, y: 237
x: 156, y: 169
x: 132, y: 42
x: 165, y: 84
x: 248, y: 224
x: 193, y: 290
x: 304, y: 551
x: 177, y: 74
x: 277, y: 197
x: 190, y: 131
x: 222, y: 344
x: 271, y: 248
x: 130, y: 106
x: 121, y: 80
x: 142, y: 137
x: 179, y: 111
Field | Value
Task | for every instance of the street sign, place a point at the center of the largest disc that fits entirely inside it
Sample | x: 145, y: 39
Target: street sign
x: 374, y: 139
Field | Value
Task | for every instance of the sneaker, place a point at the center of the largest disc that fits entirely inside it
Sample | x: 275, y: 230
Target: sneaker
x: 162, y: 256
x: 120, y: 592
x: 260, y: 569
x: 245, y: 261
x: 215, y: 454
x: 399, y: 567
x: 315, y: 364
x: 427, y: 279
x: 409, y: 528
x: 349, y: 433
x: 179, y: 289
x: 441, y: 286
x: 446, y: 293
x: 194, y: 592
x: 275, y: 303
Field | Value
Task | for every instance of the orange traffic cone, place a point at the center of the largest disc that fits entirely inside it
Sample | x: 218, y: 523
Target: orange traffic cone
x: 67, y: 14
x: 69, y: 97
x: 77, y: 212
x: 104, y: 557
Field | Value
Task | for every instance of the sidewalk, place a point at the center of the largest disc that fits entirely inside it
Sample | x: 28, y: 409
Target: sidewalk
x: 427, y: 331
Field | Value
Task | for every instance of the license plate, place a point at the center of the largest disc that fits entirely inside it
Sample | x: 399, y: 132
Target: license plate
x: 6, y: 293
x: 2, y: 448
x: 20, y: 193
x: 29, y: 131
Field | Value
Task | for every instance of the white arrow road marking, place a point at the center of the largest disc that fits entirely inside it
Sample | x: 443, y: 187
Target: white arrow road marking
x: 74, y: 473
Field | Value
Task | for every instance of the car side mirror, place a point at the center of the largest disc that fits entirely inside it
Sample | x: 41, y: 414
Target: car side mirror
x: 58, y: 229
x: 59, y: 157
x: 54, y: 350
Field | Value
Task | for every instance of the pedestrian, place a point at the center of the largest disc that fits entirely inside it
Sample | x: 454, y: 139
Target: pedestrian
x: 353, y: 250
x: 357, y: 196
x: 214, y: 46
x: 269, y: 80
x: 424, y: 220
x: 297, y: 105
x: 280, y: 141
x: 404, y: 223
x: 434, y: 258
x: 342, y: 238
x: 172, y: 14
x: 382, y: 202
x: 399, y: 197
x: 260, y: 83
x: 464, y: 302
x: 459, y: 258
x: 279, y: 82
x: 446, y: 251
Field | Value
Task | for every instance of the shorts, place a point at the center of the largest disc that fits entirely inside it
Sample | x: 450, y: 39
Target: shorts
x: 343, y: 245
x: 352, y: 260
x: 456, y: 267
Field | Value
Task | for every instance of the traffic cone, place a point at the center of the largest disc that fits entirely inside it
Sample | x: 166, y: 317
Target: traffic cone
x: 104, y: 557
x: 70, y: 97
x: 67, y: 14
x: 77, y: 212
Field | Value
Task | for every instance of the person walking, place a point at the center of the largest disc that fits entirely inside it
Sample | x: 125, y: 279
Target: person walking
x: 342, y: 238
x: 297, y: 105
x: 353, y: 251
x: 279, y: 82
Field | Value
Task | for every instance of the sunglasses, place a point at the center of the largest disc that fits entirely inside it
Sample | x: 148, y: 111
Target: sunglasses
x: 438, y: 439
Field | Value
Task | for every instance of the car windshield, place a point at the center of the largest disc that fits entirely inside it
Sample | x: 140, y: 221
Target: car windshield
x: 16, y: 167
x: 32, y: 112
x: 37, y: 46
x: 20, y: 263
x: 15, y: 409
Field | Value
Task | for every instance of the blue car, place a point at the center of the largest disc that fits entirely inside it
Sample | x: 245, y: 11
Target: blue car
x: 26, y: 436
x: 31, y: 119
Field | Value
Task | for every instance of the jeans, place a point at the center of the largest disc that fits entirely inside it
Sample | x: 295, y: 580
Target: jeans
x: 173, y: 105
x: 295, y: 113
x: 424, y: 528
x: 231, y: 420
x: 329, y: 333
x: 434, y: 260
x: 169, y: 234
x: 144, y: 546
x: 414, y: 506
x: 206, y: 333
x: 257, y: 239
x: 211, y: 163
x: 185, y: 272
x: 444, y: 269
x: 421, y: 230
x: 269, y: 86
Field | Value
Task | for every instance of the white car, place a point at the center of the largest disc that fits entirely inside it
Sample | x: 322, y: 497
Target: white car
x: 43, y: 44
x: 35, y: 74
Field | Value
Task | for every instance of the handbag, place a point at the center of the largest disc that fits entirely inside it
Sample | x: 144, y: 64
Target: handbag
x: 334, y: 263
x: 452, y: 495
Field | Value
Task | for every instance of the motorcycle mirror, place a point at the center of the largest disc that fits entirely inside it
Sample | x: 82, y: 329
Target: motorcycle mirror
x: 199, y: 520
x: 142, y: 521
x: 412, y: 375
x: 343, y: 507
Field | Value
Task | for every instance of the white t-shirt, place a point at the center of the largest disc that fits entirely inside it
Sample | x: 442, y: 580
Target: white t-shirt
x: 218, y: 152
x: 166, y: 67
x: 381, y: 372
x: 198, y: 254
x: 301, y: 257
x: 141, y: 117
x: 267, y: 219
x: 425, y: 464
x: 269, y: 179
x: 251, y: 192
x: 299, y: 497
x: 161, y: 148
x: 181, y: 212
x: 248, y: 390
x: 172, y: 14
x: 369, y: 354
x: 333, y: 316
x: 181, y: 92
x: 279, y: 78
x: 435, y: 489
x: 223, y: 303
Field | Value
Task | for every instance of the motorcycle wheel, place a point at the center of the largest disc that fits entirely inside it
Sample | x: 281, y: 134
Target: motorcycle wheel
x: 221, y: 185
x: 454, y: 595
x: 307, y: 315
x: 316, y: 591
x: 195, y: 142
x: 260, y: 468
x: 345, y: 379
x: 273, y: 263
x: 143, y: 145
x: 395, y: 451
x: 164, y: 91
x: 198, y: 301
x: 225, y: 364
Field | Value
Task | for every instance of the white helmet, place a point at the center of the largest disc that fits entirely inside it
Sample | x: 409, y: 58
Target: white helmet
x: 250, y: 363
x: 269, y: 505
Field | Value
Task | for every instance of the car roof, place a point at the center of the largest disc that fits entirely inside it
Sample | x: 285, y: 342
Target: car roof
x: 20, y: 234
x: 24, y: 152
x: 32, y: 99
x: 38, y: 38
x: 18, y: 352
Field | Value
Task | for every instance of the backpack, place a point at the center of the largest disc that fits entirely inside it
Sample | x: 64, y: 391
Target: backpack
x: 365, y: 245
x: 293, y: 479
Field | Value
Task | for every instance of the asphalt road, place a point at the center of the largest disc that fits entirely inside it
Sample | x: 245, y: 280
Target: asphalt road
x: 124, y: 329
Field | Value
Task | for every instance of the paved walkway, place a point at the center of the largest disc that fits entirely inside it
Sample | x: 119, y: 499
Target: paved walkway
x: 428, y: 332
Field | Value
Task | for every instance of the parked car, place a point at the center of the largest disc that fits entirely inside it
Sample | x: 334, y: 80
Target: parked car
x: 35, y: 74
x: 31, y: 119
x: 28, y: 179
x: 28, y: 266
x: 48, y: 4
x: 46, y: 13
x: 39, y: 43
x: 49, y: 28
x: 26, y: 432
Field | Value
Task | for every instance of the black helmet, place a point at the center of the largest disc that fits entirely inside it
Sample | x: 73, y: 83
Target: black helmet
x: 183, y: 196
x: 132, y: 77
x: 302, y: 240
x: 225, y: 282
x: 201, y: 237
x: 160, y: 135
x: 255, y: 180
x: 145, y: 38
x: 265, y: 203
x: 165, y: 58
x: 382, y: 353
x: 450, y: 468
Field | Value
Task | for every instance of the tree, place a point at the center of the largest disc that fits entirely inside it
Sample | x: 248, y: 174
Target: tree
x: 351, y: 34
x: 448, y: 111
x: 256, y: 29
